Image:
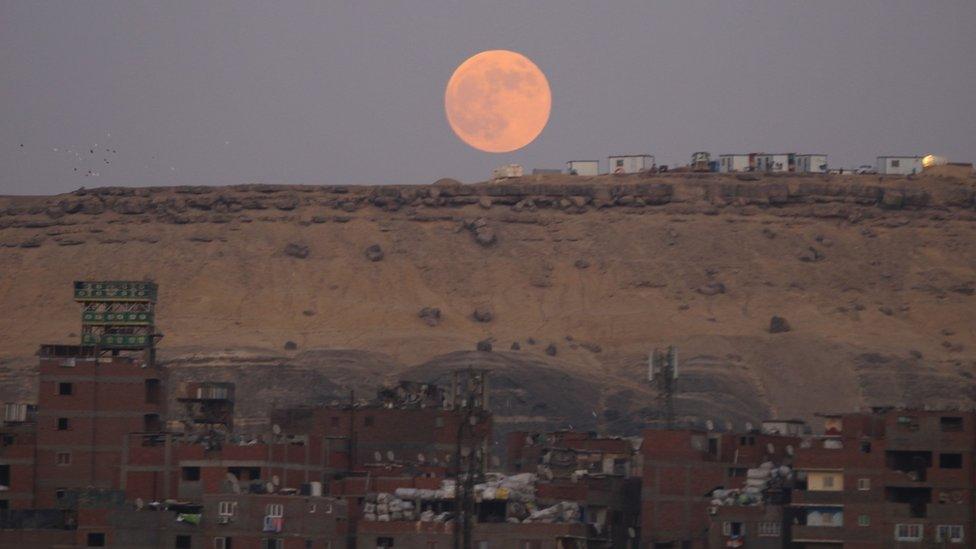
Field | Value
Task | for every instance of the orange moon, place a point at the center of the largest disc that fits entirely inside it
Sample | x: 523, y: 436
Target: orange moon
x: 497, y: 101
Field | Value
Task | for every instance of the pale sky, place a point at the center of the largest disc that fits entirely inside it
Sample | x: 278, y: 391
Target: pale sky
x: 336, y: 92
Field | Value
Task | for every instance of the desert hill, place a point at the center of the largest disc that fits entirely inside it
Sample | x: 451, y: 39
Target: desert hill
x: 301, y: 293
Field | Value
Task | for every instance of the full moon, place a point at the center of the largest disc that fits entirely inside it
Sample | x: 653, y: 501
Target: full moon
x: 497, y: 101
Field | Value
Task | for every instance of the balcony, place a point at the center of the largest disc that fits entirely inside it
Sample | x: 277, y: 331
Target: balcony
x: 817, y: 497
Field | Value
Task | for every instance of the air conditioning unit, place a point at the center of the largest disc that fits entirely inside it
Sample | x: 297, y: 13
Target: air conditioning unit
x: 223, y: 519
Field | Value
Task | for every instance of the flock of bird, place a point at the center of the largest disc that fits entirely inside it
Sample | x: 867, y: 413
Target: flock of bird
x: 91, y: 160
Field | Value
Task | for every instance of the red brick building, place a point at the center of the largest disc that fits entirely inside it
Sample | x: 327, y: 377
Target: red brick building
x: 88, y: 404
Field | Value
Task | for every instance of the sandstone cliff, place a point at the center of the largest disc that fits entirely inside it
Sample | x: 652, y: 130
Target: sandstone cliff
x: 300, y: 293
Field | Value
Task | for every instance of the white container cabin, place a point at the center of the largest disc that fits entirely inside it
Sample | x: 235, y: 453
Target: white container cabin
x: 899, y: 165
x: 730, y: 163
x: 583, y: 167
x: 631, y: 163
x: 776, y: 163
x: 811, y: 163
x: 507, y: 171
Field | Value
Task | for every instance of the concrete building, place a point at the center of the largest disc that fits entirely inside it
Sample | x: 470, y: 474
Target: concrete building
x: 811, y: 163
x: 630, y: 163
x: 583, y: 167
x: 731, y: 163
x: 899, y: 165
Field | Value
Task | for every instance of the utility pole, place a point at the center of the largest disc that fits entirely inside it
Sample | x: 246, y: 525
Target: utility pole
x: 473, y: 401
x: 662, y: 372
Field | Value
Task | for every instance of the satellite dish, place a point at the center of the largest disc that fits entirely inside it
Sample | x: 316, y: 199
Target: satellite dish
x: 389, y: 455
x: 770, y: 448
x: 710, y: 425
x: 377, y: 456
x: 275, y: 480
x: 631, y: 532
x: 269, y: 487
x: 789, y: 449
x: 420, y: 458
x: 276, y: 429
x: 139, y: 503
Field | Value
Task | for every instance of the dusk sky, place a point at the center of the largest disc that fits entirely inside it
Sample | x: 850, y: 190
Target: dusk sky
x: 168, y: 93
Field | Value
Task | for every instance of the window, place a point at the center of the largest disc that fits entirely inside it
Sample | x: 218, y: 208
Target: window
x: 620, y: 163
x: 309, y: 544
x: 431, y: 545
x: 438, y: 421
x: 64, y: 389
x: 828, y: 481
x: 368, y: 421
x: 60, y: 493
x: 151, y: 423
x: 184, y: 542
x: 865, y: 447
x: 895, y: 163
x: 953, y: 533
x: 733, y: 529
x: 384, y: 542
x: 271, y: 543
x: 95, y: 539
x: 950, y: 461
x: 221, y: 543
x: 4, y: 475
x: 153, y: 389
x: 190, y: 474
x: 483, y: 544
x: 908, y: 532
x: 863, y: 484
x: 769, y: 529
x: 63, y: 458
x: 334, y: 421
x: 226, y: 508
x: 950, y: 424
x: 863, y: 520
x: 275, y: 510
x: 62, y: 424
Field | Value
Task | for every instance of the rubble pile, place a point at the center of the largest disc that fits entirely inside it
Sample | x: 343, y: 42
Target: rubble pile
x: 758, y: 480
x: 426, y: 505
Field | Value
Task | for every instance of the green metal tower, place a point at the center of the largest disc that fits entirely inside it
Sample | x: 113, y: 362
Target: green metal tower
x: 117, y: 314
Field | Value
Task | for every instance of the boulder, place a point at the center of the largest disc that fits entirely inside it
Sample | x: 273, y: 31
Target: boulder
x: 290, y: 346
x: 297, y: 250
x: 778, y: 325
x: 374, y: 253
x: 484, y: 345
x: 551, y: 349
x: 430, y: 315
x: 714, y: 287
x: 483, y: 314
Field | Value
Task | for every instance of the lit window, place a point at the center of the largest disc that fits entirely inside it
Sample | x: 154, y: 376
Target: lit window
x: 863, y: 520
x: 275, y: 510
x: 63, y: 458
x: 863, y: 484
x: 769, y: 529
x: 908, y: 532
x: 953, y: 533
